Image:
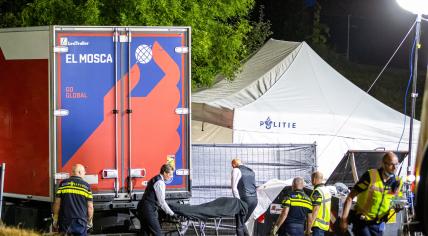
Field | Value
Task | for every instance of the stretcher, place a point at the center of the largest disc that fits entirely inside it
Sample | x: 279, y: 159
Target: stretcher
x: 210, y: 215
x: 198, y: 226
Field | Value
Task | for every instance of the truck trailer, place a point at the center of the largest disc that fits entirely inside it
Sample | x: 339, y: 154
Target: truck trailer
x: 114, y: 99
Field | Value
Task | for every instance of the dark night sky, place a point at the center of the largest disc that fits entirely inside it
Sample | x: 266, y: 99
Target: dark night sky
x: 377, y: 27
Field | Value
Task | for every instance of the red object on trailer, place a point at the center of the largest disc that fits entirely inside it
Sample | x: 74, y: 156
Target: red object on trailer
x: 115, y: 99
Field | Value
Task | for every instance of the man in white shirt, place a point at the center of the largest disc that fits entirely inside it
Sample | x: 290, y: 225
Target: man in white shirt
x: 153, y: 198
x: 244, y: 188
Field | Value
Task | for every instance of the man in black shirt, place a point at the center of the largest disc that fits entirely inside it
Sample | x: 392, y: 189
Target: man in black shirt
x: 73, y: 208
x: 296, y: 210
x: 153, y: 199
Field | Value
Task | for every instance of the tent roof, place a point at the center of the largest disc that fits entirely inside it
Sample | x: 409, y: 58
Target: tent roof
x: 257, y: 76
x: 288, y: 77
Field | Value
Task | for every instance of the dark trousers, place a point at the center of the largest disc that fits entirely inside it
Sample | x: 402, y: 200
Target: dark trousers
x: 317, y: 231
x: 149, y: 219
x: 292, y: 229
x: 364, y: 228
x: 75, y: 227
x: 241, y: 229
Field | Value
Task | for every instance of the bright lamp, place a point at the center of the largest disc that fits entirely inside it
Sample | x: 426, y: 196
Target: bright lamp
x: 419, y: 7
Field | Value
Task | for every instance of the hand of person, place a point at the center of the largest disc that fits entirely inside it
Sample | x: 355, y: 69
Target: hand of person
x: 343, y: 226
x: 274, y: 230
x: 55, y: 222
x: 308, y: 232
x: 90, y: 224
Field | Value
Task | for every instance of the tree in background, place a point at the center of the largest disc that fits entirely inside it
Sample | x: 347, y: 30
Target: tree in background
x: 260, y: 31
x: 320, y: 32
x: 10, y: 12
x: 222, y: 33
x: 296, y: 20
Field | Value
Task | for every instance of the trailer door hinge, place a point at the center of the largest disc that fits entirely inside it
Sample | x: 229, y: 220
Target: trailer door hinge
x: 181, y: 49
x: 182, y: 172
x: 60, y: 49
x: 182, y: 111
x: 61, y: 112
x: 124, y: 39
x: 62, y: 175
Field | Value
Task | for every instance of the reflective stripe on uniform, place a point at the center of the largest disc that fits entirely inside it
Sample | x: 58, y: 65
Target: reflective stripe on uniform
x: 322, y: 221
x: 300, y: 203
x: 74, y: 190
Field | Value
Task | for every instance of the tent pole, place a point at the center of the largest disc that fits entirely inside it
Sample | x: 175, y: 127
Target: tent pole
x: 414, y: 94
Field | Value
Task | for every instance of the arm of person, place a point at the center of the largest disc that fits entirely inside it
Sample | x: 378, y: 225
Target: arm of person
x: 309, y: 224
x: 236, y: 176
x: 316, y: 200
x: 90, y: 212
x: 281, y: 219
x: 346, y: 208
x: 159, y: 187
x: 313, y: 216
x: 55, y: 209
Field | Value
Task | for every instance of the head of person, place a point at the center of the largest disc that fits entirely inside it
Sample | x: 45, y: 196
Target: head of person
x: 317, y: 178
x: 390, y: 163
x: 167, y: 171
x: 298, y: 183
x: 78, y: 170
x: 236, y: 163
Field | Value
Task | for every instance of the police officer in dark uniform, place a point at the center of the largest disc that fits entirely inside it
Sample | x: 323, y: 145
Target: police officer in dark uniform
x: 244, y: 188
x: 73, y: 208
x: 153, y: 199
x: 296, y: 211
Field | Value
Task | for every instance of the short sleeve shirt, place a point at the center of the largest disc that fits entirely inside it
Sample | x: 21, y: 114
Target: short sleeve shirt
x: 300, y: 206
x: 75, y: 194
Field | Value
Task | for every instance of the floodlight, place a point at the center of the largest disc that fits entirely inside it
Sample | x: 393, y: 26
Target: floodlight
x: 419, y: 7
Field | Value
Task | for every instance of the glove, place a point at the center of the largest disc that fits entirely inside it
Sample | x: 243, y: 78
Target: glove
x: 181, y: 218
x: 90, y: 224
x: 274, y: 230
x: 398, y: 208
x: 55, y: 221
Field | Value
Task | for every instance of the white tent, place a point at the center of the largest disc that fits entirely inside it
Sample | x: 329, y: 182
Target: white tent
x: 286, y: 93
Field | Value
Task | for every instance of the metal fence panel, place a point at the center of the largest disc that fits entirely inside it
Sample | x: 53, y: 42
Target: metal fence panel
x: 211, y: 165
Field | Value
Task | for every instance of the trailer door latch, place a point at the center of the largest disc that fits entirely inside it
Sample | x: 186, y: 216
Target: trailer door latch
x: 182, y: 111
x: 110, y: 174
x: 138, y: 173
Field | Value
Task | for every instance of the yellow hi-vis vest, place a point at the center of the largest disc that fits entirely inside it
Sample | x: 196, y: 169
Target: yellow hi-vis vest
x: 375, y: 202
x: 323, y: 218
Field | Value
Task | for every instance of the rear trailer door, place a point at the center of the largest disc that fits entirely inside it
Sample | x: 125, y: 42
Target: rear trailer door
x: 121, y: 106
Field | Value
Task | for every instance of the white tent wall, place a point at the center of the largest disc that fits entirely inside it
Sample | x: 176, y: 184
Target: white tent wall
x: 302, y: 100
